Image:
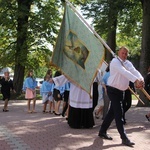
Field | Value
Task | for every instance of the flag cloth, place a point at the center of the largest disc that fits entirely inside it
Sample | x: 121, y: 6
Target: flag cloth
x: 78, y: 53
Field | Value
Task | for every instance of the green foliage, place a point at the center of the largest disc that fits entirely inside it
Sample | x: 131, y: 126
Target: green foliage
x: 44, y: 22
x: 129, y: 27
x: 42, y: 28
x: 7, y: 31
x: 129, y: 18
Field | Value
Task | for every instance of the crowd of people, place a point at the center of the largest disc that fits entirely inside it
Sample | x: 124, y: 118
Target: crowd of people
x: 111, y: 97
x: 51, y: 94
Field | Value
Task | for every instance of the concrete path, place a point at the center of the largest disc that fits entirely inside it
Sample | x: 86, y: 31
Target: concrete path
x: 37, y: 131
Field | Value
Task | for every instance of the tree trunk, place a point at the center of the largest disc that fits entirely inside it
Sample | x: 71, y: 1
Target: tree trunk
x: 111, y: 41
x: 21, y: 48
x: 19, y: 77
x: 145, y: 52
x: 112, y: 26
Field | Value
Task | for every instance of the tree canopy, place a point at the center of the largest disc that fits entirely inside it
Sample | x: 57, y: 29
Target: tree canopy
x: 28, y: 34
x: 127, y: 16
x: 28, y: 31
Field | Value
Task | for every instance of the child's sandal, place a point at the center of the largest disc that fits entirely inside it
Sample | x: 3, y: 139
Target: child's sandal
x: 29, y: 111
x: 44, y: 111
x: 33, y: 111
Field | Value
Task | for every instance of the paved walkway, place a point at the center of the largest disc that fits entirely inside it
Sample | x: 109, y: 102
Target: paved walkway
x: 37, y: 131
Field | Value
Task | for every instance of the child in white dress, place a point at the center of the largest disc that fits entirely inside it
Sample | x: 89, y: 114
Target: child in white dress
x: 46, y: 93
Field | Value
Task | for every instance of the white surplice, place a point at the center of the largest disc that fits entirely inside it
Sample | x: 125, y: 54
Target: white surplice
x: 78, y: 97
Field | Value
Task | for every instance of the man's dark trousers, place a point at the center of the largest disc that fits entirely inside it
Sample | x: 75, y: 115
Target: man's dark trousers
x: 115, y: 112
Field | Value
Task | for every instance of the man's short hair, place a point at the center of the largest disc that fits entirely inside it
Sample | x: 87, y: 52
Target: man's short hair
x: 125, y: 48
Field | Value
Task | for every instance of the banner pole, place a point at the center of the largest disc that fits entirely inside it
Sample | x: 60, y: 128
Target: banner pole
x: 145, y: 93
x: 136, y: 95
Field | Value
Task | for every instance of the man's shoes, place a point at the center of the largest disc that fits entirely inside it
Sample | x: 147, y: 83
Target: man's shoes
x: 105, y: 136
x: 127, y: 142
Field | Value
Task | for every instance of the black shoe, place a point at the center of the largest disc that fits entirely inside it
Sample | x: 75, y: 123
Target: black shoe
x: 63, y: 115
x: 105, y: 136
x: 127, y: 142
x: 5, y: 110
x: 57, y: 114
x: 148, y: 118
x: 49, y: 111
x: 44, y: 111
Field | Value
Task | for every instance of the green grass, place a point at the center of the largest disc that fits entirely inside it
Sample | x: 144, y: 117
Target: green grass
x: 134, y: 97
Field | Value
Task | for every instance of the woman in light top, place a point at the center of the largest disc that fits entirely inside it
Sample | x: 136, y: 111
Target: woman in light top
x: 29, y: 87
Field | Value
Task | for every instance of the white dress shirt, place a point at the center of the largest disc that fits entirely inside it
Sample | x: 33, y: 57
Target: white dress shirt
x: 120, y: 75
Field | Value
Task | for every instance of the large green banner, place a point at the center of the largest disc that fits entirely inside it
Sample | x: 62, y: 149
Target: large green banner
x: 78, y: 53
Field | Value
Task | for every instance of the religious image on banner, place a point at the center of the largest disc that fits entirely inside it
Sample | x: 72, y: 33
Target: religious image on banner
x: 75, y: 50
x: 78, y: 53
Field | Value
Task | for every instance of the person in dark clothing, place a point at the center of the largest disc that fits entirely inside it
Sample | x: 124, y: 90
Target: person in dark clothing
x: 6, y: 87
x: 127, y: 102
x: 105, y: 95
x: 96, y: 82
x: 147, y: 81
x: 95, y: 94
x: 66, y: 98
x: 58, y: 95
x: 147, y: 88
